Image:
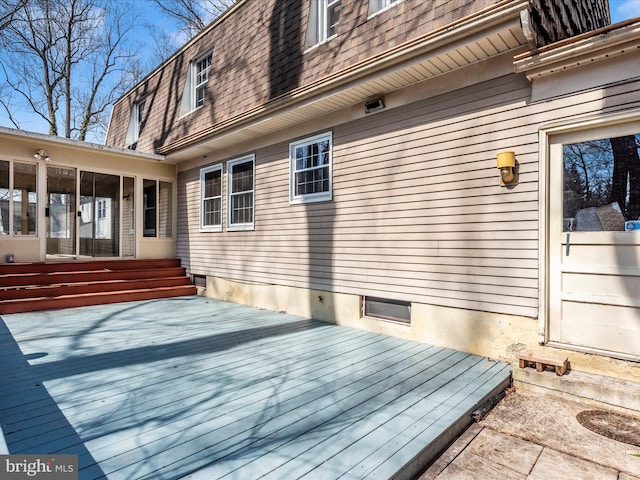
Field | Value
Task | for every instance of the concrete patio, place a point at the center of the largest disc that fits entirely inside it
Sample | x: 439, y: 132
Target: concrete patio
x: 192, y: 387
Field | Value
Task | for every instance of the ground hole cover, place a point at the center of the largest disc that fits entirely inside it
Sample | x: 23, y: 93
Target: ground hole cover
x: 612, y: 425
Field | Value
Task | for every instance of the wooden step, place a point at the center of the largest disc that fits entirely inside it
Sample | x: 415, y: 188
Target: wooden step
x: 33, y: 279
x: 29, y: 287
x: 87, y: 299
x: 78, y: 288
x: 74, y: 266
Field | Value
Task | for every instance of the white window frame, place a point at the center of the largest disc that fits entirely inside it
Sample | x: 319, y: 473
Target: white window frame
x: 193, y: 84
x: 378, y: 6
x: 309, y: 197
x: 230, y: 194
x: 203, y: 172
x: 200, y: 78
x: 323, y: 16
x: 139, y: 112
x: 136, y: 122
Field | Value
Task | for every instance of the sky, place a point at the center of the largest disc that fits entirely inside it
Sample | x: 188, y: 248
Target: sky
x: 620, y: 10
x: 624, y: 9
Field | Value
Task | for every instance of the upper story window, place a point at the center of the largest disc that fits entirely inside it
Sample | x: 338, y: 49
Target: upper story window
x: 136, y: 122
x: 139, y: 112
x: 310, y: 169
x: 102, y: 208
x: 211, y: 199
x: 329, y: 17
x: 376, y: 6
x: 193, y: 96
x: 201, y: 71
x: 240, y: 189
x: 323, y: 21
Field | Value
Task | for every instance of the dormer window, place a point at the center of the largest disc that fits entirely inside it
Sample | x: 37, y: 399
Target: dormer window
x: 202, y: 68
x: 193, y: 96
x: 139, y: 113
x: 136, y: 123
x: 323, y: 21
x: 376, y: 6
x: 329, y: 18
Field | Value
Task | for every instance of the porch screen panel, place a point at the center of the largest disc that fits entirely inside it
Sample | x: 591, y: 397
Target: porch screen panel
x: 165, y: 209
x: 107, y: 208
x: 61, y: 223
x: 128, y: 217
x: 24, y: 198
x: 150, y: 194
x: 5, y: 196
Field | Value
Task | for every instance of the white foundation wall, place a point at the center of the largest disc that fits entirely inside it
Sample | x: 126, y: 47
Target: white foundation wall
x: 492, y: 335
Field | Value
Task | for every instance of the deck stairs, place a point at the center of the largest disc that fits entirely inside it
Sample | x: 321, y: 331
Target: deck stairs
x: 27, y: 287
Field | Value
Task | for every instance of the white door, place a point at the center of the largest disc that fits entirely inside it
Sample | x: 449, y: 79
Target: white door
x: 594, y: 240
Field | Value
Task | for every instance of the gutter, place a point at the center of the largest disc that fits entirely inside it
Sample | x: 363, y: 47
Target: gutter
x: 599, y: 44
x: 428, y: 43
x: 75, y: 144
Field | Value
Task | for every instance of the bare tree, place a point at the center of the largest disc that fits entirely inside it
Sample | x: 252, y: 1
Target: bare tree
x: 66, y: 62
x: 8, y: 9
x: 626, y: 175
x: 193, y: 16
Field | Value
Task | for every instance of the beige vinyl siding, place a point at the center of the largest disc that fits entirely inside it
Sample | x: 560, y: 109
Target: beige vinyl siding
x: 417, y: 213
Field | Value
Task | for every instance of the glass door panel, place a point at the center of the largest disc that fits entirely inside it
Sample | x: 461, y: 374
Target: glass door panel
x: 99, y: 214
x: 61, y: 211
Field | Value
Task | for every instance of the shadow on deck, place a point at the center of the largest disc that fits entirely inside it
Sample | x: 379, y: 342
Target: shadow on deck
x: 195, y: 387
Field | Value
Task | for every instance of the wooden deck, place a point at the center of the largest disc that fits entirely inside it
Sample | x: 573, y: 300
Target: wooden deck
x: 195, y: 388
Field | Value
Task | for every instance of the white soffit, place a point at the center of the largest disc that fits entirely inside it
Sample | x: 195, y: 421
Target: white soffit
x: 463, y: 50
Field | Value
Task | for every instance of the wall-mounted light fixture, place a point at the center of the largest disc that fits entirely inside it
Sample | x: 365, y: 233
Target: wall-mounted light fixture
x: 374, y: 105
x: 42, y: 155
x: 507, y: 166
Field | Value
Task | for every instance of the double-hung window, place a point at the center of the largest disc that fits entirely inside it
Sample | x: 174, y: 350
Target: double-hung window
x: 376, y: 6
x: 136, y: 122
x: 201, y: 75
x: 140, y: 116
x: 311, y: 169
x: 193, y: 95
x: 327, y: 16
x: 211, y: 199
x: 240, y: 193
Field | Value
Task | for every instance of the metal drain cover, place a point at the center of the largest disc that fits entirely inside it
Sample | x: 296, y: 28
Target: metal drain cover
x: 612, y: 425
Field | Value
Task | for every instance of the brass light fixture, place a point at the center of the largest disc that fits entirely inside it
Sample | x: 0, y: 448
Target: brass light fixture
x: 507, y: 166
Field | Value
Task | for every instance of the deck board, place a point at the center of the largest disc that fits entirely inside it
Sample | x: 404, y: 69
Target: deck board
x: 197, y: 388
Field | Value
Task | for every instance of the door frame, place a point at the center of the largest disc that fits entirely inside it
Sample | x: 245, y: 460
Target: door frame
x: 73, y: 213
x: 549, y: 136
x: 78, y: 255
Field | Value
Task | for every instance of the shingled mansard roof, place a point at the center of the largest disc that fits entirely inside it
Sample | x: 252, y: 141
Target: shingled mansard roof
x: 267, y: 74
